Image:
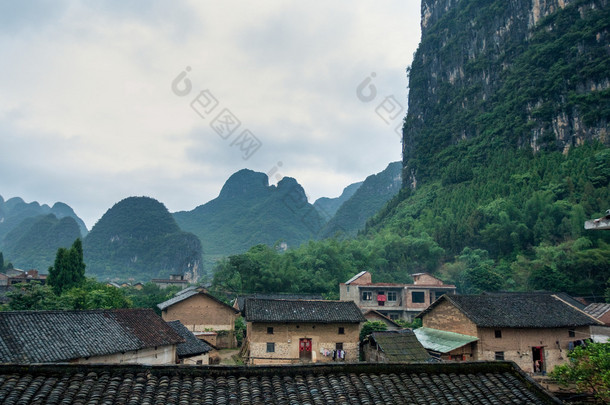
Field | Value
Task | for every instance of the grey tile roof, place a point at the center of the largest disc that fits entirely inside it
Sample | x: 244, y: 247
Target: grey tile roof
x: 241, y: 300
x: 192, y: 345
x: 57, y: 336
x: 597, y: 310
x: 259, y: 310
x: 458, y: 383
x: 181, y: 296
x: 400, y: 346
x: 516, y: 310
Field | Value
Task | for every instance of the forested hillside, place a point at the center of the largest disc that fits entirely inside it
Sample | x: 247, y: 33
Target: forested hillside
x: 368, y: 199
x: 138, y: 238
x: 327, y: 207
x: 506, y: 154
x: 34, y: 242
x: 248, y: 211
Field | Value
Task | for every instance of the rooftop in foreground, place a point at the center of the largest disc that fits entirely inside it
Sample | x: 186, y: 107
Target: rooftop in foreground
x: 364, y: 383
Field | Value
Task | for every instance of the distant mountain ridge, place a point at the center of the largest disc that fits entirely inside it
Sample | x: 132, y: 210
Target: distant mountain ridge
x: 327, y: 207
x: 138, y: 238
x: 248, y: 211
x: 367, y: 200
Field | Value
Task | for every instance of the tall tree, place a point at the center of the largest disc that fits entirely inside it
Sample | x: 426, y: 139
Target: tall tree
x: 68, y: 269
x: 1, y: 262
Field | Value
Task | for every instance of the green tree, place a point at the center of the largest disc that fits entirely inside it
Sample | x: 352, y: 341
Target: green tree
x: 32, y: 296
x: 1, y: 262
x: 68, y: 269
x: 371, y: 326
x: 588, y: 369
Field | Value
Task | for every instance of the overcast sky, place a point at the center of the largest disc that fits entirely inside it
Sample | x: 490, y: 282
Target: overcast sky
x: 100, y: 101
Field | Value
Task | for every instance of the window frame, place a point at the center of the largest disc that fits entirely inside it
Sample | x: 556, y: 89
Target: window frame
x: 499, y: 356
x: 392, y: 294
x: 269, y: 330
x: 270, y: 347
x: 367, y: 296
x: 423, y: 299
x: 498, y: 333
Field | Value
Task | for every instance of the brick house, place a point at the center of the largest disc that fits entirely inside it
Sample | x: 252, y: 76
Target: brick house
x: 292, y: 331
x: 375, y: 316
x: 601, y: 312
x: 535, y: 330
x: 193, y: 351
x: 114, y: 336
x: 202, y: 313
x: 396, y: 301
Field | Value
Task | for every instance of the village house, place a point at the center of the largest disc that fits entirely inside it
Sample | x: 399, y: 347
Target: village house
x: 193, y: 351
x: 446, y: 346
x: 134, y: 336
x: 375, y: 316
x: 290, y: 331
x: 174, y: 280
x: 396, y: 301
x: 204, y: 315
x: 16, y: 276
x: 393, y: 346
x: 535, y: 330
x: 601, y: 312
x: 240, y: 301
x: 415, y: 383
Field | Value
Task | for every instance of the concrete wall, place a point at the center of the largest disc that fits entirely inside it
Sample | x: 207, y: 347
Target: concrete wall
x: 202, y: 359
x: 160, y: 355
x: 200, y: 312
x: 286, y: 338
x: 426, y: 279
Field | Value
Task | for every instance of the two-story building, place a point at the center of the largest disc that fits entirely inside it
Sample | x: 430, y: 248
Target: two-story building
x: 535, y: 330
x: 396, y: 301
x: 293, y: 331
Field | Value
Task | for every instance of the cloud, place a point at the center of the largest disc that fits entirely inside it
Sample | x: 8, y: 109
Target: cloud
x: 88, y: 116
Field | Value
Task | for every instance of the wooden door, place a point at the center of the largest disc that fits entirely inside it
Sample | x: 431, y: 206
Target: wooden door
x: 305, y: 349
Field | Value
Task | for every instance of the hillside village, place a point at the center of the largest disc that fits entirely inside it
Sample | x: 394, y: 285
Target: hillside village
x: 475, y: 271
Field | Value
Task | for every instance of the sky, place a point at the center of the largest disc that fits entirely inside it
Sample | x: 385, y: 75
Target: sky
x: 100, y: 101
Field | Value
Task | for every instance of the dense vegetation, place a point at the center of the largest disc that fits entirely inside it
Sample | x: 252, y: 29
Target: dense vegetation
x: 138, y: 238
x: 33, y: 243
x: 248, y: 211
x: 328, y: 207
x: 504, y: 161
x: 369, y: 198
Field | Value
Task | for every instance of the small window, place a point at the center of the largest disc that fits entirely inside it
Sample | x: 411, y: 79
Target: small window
x: 391, y: 295
x: 367, y: 296
x: 498, y: 334
x: 270, y: 347
x: 270, y: 330
x: 339, y: 346
x: 347, y: 288
x: 499, y: 355
x: 571, y: 333
x: 341, y: 330
x: 418, y: 297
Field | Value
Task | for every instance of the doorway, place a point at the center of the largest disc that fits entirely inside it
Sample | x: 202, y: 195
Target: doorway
x: 538, y: 363
x: 305, y: 349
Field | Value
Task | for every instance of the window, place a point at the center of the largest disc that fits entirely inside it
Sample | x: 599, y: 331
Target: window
x: 499, y: 355
x: 270, y: 330
x: 391, y: 295
x: 347, y: 288
x: 418, y: 297
x: 341, y: 330
x: 339, y: 346
x: 270, y: 347
x: 571, y: 333
x: 498, y: 334
x: 367, y: 296
x: 380, y: 292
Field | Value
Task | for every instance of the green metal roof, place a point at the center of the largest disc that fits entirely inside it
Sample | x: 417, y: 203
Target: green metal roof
x: 442, y: 341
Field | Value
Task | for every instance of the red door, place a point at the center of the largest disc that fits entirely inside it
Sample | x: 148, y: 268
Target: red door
x: 305, y: 349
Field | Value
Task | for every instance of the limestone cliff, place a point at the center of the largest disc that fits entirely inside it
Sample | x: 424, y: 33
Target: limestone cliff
x: 490, y: 74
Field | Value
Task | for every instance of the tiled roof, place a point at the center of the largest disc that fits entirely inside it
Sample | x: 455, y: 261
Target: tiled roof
x: 597, y: 310
x: 185, y: 295
x: 442, y: 341
x: 516, y: 310
x: 400, y: 346
x: 258, y: 310
x: 457, y: 383
x: 241, y: 300
x: 56, y: 336
x: 192, y: 345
